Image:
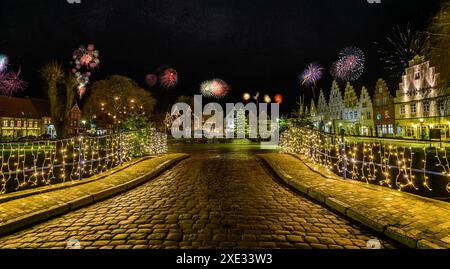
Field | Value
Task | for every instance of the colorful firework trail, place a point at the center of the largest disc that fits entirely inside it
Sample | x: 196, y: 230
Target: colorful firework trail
x: 215, y: 88
x: 168, y: 77
x: 151, y: 80
x: 350, y: 65
x: 10, y: 82
x: 311, y: 75
x: 400, y: 48
x: 84, y: 60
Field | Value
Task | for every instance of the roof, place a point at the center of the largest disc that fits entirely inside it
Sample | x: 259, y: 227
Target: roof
x: 14, y: 107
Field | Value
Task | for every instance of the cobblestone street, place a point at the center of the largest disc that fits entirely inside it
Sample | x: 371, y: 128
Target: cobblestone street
x: 215, y: 199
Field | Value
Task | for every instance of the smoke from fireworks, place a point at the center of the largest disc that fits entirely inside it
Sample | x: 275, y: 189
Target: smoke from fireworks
x: 10, y: 82
x: 311, y: 74
x: 215, y: 88
x: 151, y: 80
x: 4, y: 61
x: 350, y: 65
x: 168, y: 77
x: 400, y: 48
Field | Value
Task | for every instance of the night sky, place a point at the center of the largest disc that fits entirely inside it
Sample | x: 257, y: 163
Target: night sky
x: 253, y: 45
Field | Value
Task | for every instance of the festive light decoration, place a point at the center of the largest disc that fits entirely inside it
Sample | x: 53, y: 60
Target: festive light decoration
x: 10, y: 82
x: 40, y: 163
x: 151, y: 80
x: 215, y: 88
x: 84, y: 60
x: 350, y: 65
x: 278, y: 98
x: 168, y: 77
x: 267, y: 99
x: 4, y: 61
x: 384, y: 163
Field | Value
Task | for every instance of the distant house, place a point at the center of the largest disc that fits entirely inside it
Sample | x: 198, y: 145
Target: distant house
x: 26, y: 117
x: 384, y: 110
x: 75, y: 121
x: 366, y: 113
x: 21, y: 117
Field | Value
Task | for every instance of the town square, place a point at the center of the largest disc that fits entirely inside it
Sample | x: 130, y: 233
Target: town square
x: 224, y: 125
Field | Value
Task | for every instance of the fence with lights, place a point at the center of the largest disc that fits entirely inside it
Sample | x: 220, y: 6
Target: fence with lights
x: 34, y: 164
x: 420, y: 167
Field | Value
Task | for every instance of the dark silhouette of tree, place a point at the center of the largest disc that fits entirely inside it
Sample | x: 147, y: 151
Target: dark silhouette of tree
x: 61, y: 87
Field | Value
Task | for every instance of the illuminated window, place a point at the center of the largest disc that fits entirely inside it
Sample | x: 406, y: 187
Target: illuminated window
x: 19, y: 123
x: 5, y: 123
x: 426, y: 107
x: 11, y: 123
x: 402, y: 110
x: 391, y: 129
x: 442, y: 108
x: 413, y: 108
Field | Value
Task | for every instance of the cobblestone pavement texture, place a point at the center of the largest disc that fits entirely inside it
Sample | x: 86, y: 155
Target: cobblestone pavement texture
x: 216, y: 199
x: 22, y: 207
x: 412, y: 220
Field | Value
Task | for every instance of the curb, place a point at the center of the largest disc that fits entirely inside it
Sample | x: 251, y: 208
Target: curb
x: 395, y: 233
x: 36, y: 217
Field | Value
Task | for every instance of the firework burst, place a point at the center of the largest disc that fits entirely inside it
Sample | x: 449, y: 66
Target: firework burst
x: 84, y: 60
x: 151, y: 80
x: 215, y: 88
x: 311, y: 75
x: 400, y: 48
x: 168, y: 77
x: 4, y: 61
x: 350, y: 65
x: 10, y: 83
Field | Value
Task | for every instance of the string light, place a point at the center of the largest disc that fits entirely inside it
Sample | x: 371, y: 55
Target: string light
x: 381, y: 162
x: 42, y: 163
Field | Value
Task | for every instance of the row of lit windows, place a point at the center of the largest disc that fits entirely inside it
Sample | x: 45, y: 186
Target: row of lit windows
x: 425, y: 108
x: 20, y: 123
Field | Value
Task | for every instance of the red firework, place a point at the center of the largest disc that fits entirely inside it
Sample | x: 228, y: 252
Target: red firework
x: 168, y: 78
x: 151, y: 80
x: 10, y: 83
x: 278, y: 98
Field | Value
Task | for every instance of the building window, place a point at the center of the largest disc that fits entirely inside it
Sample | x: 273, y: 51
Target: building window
x: 19, y: 123
x: 413, y: 108
x: 417, y: 75
x: 350, y: 115
x: 402, y: 110
x: 364, y: 104
x: 369, y: 115
x: 391, y: 129
x: 426, y: 107
x: 11, y: 123
x: 5, y: 123
x: 355, y: 114
x: 442, y: 108
x: 36, y: 124
x: 385, y: 129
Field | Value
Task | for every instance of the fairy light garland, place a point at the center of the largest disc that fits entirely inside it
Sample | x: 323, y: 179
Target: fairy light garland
x: 380, y: 162
x: 42, y: 163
